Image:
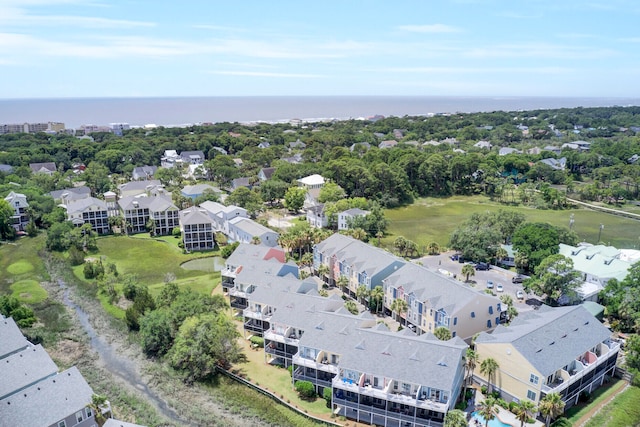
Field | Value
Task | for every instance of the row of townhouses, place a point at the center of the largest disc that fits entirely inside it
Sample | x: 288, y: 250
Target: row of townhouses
x: 409, y: 377
x: 33, y: 393
x: 142, y: 203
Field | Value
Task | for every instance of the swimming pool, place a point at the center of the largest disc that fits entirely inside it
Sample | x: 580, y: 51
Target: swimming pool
x: 492, y: 423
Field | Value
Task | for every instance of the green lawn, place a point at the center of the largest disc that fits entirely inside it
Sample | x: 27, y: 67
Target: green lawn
x: 433, y: 219
x: 29, y: 291
x: 622, y: 411
x: 149, y: 259
x: 19, y: 261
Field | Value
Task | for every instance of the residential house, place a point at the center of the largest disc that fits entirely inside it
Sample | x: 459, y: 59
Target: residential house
x: 388, y: 144
x: 89, y: 211
x: 597, y: 264
x: 68, y: 195
x: 557, y: 164
x: 563, y: 350
x: 313, y: 184
x: 295, y: 159
x: 245, y: 230
x: 135, y: 188
x: 32, y: 391
x: 222, y: 214
x: 508, y: 150
x: 143, y: 173
x: 345, y: 217
x: 360, y: 263
x: 47, y: 168
x: 553, y: 149
x: 297, y: 144
x: 316, y: 216
x: 197, y: 229
x: 219, y: 150
x: 265, y: 174
x: 510, y: 259
x: 264, y: 144
x: 245, y: 255
x: 170, y: 159
x: 269, y: 293
x: 139, y: 210
x: 393, y: 379
x: 359, y: 146
x: 111, y: 199
x: 631, y: 160
x: 240, y: 182
x: 192, y: 157
x: 483, y: 144
x: 195, y: 191
x: 577, y: 145
x: 6, y: 168
x: 246, y: 278
x: 20, y: 217
x: 434, y: 301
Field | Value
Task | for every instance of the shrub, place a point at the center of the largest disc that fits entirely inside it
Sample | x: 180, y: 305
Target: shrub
x: 484, y: 389
x: 495, y: 394
x: 326, y: 394
x: 502, y: 403
x: 290, y: 369
x: 257, y: 341
x: 305, y: 389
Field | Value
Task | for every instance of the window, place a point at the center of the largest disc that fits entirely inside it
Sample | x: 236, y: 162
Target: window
x: 473, y: 314
x: 79, y: 416
x: 89, y: 412
x: 533, y: 379
x: 489, y: 323
x: 490, y: 309
x: 455, y: 321
x: 531, y: 395
x: 62, y: 424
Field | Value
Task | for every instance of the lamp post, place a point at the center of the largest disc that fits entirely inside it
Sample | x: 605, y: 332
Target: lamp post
x: 571, y: 221
x: 600, y: 232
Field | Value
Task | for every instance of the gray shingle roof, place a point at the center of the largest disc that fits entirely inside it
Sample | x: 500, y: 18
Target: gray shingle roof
x: 139, y: 185
x: 363, y: 256
x: 81, y: 205
x: 249, y: 226
x: 550, y: 338
x: 48, y: 401
x: 247, y: 253
x: 73, y: 193
x: 11, y: 339
x: 194, y: 215
x: 25, y: 368
x: 159, y: 203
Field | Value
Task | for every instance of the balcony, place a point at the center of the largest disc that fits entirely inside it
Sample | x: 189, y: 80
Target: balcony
x: 257, y: 327
x: 276, y: 337
x: 264, y: 314
x: 311, y: 363
x: 319, y: 378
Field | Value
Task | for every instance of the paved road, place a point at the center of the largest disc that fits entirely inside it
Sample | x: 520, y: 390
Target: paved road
x: 444, y: 263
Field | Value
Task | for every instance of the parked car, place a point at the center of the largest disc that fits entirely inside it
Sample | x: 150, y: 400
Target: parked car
x: 499, y: 288
x: 517, y: 279
x: 455, y: 257
x: 489, y: 284
x: 482, y: 266
x: 520, y: 295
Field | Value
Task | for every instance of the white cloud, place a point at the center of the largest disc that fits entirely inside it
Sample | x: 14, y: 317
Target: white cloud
x: 431, y: 28
x: 478, y: 70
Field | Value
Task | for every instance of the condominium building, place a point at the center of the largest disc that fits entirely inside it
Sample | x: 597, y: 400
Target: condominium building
x: 20, y: 217
x: 89, y: 211
x: 197, y: 229
x: 138, y: 211
x: 563, y: 350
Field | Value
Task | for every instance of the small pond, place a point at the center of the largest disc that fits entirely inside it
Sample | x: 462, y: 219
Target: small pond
x: 209, y: 264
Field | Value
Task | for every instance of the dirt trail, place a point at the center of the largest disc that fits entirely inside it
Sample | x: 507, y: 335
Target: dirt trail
x: 620, y: 387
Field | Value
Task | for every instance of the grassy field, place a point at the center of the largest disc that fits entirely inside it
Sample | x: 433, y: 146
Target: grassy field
x: 22, y: 270
x: 431, y: 219
x: 622, y: 411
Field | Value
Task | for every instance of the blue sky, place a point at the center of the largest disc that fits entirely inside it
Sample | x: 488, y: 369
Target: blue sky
x: 76, y: 48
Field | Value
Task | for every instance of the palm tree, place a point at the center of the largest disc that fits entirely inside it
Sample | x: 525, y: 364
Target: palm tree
x: 488, y: 367
x: 398, y: 306
x: 362, y: 293
x: 488, y: 409
x: 255, y: 240
x: 379, y: 235
x: 377, y: 295
x: 470, y: 362
x: 351, y: 306
x: 455, y: 418
x: 323, y: 270
x: 442, y: 333
x: 551, y: 406
x: 501, y: 254
x: 524, y: 411
x: 433, y: 248
x: 343, y: 283
x: 468, y: 270
x: 97, y: 405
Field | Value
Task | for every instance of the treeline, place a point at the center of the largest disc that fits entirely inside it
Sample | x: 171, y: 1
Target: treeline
x: 347, y: 153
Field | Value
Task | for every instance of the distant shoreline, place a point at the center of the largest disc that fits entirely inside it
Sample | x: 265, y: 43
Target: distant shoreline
x: 182, y: 111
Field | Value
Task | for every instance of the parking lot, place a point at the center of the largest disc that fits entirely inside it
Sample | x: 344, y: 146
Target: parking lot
x: 445, y: 265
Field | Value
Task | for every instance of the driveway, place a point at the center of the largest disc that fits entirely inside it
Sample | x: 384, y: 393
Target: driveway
x: 444, y: 265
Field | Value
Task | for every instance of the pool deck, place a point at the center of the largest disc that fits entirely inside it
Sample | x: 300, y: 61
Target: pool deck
x: 503, y: 415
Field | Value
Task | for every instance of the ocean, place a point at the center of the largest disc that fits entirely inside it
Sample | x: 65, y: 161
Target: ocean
x: 180, y: 111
